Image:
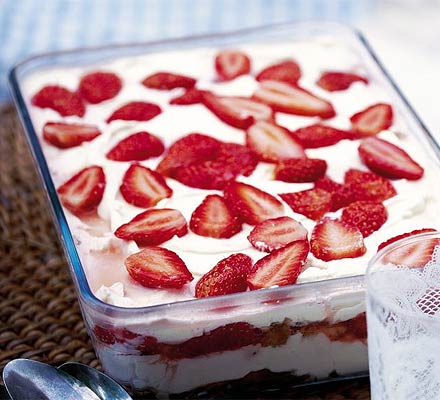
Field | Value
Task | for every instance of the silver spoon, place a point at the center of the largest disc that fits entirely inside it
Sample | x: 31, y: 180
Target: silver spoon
x: 104, y: 386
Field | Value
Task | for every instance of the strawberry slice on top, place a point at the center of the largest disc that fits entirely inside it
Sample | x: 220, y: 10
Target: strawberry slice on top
x: 334, y: 81
x: 136, y: 147
x: 388, y: 160
x: 64, y: 135
x: 135, y: 111
x: 319, y: 135
x: 367, y: 216
x: 292, y: 99
x: 153, y: 227
x: 83, y: 192
x: 372, y: 120
x: 156, y: 267
x: 96, y: 87
x: 168, y: 81
x: 231, y: 63
x: 214, y: 218
x: 143, y: 187
x: 313, y: 203
x: 279, y: 268
x: 286, y: 71
x: 189, y: 97
x: 341, y: 194
x: 60, y: 99
x: 297, y: 170
x: 403, y: 236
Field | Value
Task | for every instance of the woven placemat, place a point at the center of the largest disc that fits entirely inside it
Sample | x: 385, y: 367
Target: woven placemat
x: 39, y: 315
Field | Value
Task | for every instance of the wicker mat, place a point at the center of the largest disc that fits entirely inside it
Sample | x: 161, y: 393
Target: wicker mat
x: 39, y: 314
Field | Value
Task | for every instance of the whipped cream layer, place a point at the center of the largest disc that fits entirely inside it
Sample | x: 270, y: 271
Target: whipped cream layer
x: 102, y: 254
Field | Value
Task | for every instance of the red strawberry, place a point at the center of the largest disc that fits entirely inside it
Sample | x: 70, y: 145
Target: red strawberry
x: 367, y: 216
x: 168, y: 81
x: 300, y: 170
x: 137, y: 147
x: 335, y: 81
x: 334, y: 239
x: 143, y: 187
x: 227, y: 277
x: 191, y: 96
x: 292, y: 99
x: 372, y: 120
x: 313, y: 203
x: 60, y: 99
x: 388, y: 160
x: 230, y: 64
x: 275, y: 233
x: 135, y: 111
x: 156, y: 267
x: 286, y: 71
x: 83, y: 192
x: 272, y: 142
x: 104, y: 335
x: 318, y: 135
x: 153, y: 227
x: 237, y: 158
x: 214, y: 218
x: 252, y: 204
x: 279, y: 268
x: 64, y: 136
x: 327, y: 184
x: 403, y: 236
x: 341, y: 195
x: 96, y: 87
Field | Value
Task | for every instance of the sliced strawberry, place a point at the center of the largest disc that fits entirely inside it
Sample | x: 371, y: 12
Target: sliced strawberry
x: 286, y: 71
x: 137, y: 147
x: 168, y: 81
x: 292, y: 99
x: 252, y: 204
x: 300, y: 170
x: 214, y: 218
x: 388, y: 160
x: 230, y: 64
x: 237, y: 158
x: 96, y: 87
x: 279, y: 268
x: 367, y: 216
x: 272, y: 142
x: 60, y: 99
x: 191, y: 96
x: 83, y: 192
x: 143, y: 187
x: 156, y: 267
x: 335, y: 81
x: 227, y: 277
x: 313, y: 203
x: 153, y: 227
x: 135, y: 111
x: 334, y: 239
x: 372, y: 120
x: 318, y: 135
x: 275, y: 233
x: 327, y: 184
x: 404, y: 235
x: 64, y: 136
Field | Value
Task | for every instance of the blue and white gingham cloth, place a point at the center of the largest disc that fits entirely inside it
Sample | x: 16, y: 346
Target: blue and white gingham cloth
x: 34, y: 26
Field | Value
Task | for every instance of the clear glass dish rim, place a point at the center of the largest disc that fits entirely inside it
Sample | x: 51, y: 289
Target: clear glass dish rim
x: 76, y: 268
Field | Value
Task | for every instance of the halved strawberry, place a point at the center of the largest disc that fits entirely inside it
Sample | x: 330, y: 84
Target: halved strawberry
x: 227, y: 277
x: 156, y: 267
x: 64, y: 135
x: 214, y: 218
x: 272, y: 142
x: 286, y: 71
x: 318, y: 135
x: 403, y: 236
x: 135, y: 111
x: 300, y: 170
x: 99, y: 86
x: 143, y: 187
x: 388, y: 160
x: 279, y: 268
x: 83, y: 192
x: 292, y: 99
x: 137, y: 147
x: 275, y: 233
x: 341, y: 194
x: 60, y: 99
x: 153, y: 227
x: 251, y: 204
x: 334, y: 239
x: 313, y: 203
x: 367, y: 216
x: 231, y: 63
x: 189, y: 97
x: 335, y: 81
x: 168, y: 81
x: 237, y: 158
x: 372, y: 120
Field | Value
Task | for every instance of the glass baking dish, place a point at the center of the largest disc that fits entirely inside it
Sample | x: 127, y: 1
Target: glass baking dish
x: 295, y: 334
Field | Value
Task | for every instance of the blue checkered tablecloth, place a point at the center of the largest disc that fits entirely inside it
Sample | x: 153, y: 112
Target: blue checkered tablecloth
x: 35, y: 26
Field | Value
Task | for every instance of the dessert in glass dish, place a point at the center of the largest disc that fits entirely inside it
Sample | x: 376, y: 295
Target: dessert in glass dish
x: 219, y: 198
